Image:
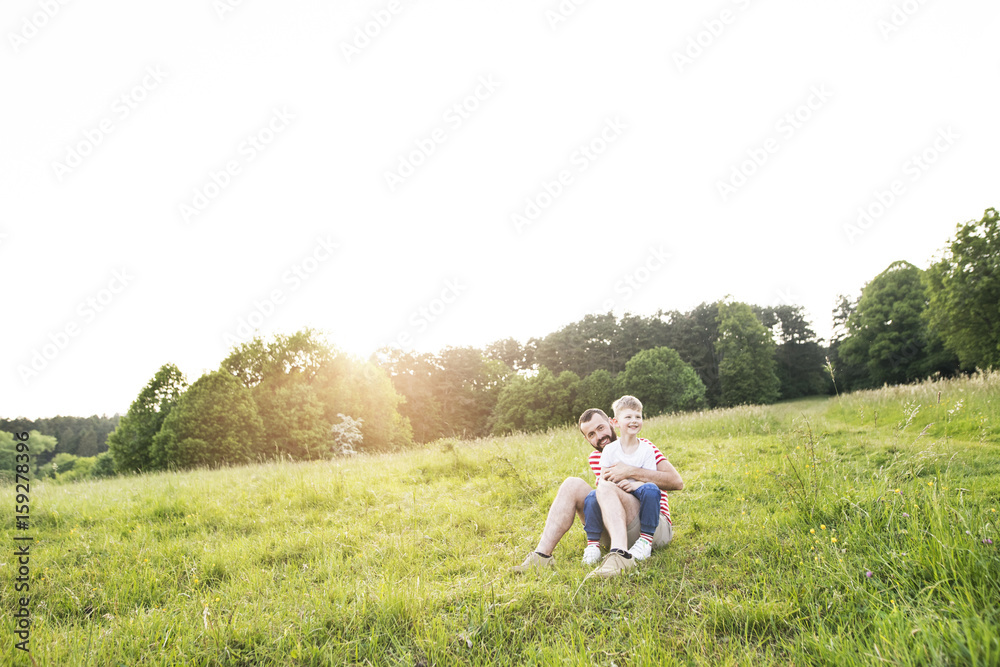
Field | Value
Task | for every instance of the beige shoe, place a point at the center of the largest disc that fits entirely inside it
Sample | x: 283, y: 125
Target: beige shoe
x: 613, y: 565
x: 534, y: 561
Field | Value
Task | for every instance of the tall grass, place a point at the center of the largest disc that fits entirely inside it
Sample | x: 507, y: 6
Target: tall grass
x: 807, y: 534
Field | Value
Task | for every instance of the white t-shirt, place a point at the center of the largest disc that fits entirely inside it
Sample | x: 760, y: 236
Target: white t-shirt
x: 642, y: 457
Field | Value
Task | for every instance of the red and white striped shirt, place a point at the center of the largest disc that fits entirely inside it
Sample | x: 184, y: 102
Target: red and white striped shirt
x: 595, y: 466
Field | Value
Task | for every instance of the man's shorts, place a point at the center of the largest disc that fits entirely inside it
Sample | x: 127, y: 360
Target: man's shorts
x: 661, y: 538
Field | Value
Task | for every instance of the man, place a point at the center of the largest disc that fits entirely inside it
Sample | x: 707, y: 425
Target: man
x: 618, y: 509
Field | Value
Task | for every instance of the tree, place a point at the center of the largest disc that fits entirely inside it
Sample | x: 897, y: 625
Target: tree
x: 38, y: 444
x: 131, y: 442
x: 694, y: 335
x: 597, y: 390
x: 366, y: 393
x: 300, y: 383
x: 346, y: 435
x: 964, y: 293
x: 888, y: 334
x: 104, y: 465
x: 467, y: 388
x: 799, y: 357
x: 846, y: 375
x: 581, y: 347
x: 82, y: 436
x: 413, y: 377
x: 215, y: 422
x: 535, y: 403
x: 281, y: 375
x: 510, y: 352
x: 747, y: 365
x: 662, y: 381
x: 87, y: 444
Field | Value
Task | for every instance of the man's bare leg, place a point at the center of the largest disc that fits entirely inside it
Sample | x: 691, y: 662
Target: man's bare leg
x: 567, y: 505
x: 618, y: 509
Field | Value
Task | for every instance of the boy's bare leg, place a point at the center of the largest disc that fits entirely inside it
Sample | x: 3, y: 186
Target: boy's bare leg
x: 567, y: 505
x: 618, y: 509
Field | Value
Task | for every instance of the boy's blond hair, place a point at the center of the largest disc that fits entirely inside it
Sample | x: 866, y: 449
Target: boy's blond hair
x: 626, y: 402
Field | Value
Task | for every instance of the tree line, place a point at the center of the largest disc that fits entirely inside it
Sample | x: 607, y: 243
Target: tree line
x: 297, y: 396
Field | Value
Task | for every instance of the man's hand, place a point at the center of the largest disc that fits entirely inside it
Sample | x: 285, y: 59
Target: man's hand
x: 665, y: 476
x: 618, y: 472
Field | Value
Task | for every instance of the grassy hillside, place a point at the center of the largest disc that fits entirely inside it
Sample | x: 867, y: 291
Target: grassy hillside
x: 843, y: 531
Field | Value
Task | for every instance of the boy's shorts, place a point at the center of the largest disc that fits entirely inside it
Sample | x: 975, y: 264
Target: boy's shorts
x: 664, y: 533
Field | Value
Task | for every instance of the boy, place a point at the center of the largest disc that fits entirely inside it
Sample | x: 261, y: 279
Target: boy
x: 628, y: 449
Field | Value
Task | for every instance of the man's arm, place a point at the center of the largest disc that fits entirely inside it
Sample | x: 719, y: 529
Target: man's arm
x: 665, y: 476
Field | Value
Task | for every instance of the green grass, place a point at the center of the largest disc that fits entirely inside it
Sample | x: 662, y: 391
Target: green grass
x: 405, y: 559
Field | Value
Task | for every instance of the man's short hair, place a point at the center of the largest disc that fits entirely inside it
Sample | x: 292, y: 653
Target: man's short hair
x: 589, y: 414
x: 625, y: 403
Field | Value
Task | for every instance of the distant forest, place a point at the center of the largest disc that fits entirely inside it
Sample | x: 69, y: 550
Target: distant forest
x: 79, y: 436
x: 296, y: 396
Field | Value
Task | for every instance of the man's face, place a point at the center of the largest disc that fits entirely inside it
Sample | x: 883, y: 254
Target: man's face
x: 598, y: 432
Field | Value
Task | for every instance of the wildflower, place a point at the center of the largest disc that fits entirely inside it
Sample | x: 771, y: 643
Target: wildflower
x: 822, y: 526
x: 968, y: 533
x: 812, y: 530
x: 833, y: 539
x: 987, y: 541
x: 905, y: 515
x: 868, y: 574
x: 930, y: 483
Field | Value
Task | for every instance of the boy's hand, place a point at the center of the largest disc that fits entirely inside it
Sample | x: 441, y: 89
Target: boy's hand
x: 628, y: 485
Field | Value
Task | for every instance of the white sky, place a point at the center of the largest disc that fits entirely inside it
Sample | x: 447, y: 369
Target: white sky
x: 336, y: 125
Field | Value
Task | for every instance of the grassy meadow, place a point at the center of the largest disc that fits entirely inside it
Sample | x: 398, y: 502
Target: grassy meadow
x: 857, y: 530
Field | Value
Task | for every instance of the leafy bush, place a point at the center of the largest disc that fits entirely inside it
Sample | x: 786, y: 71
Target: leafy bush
x: 662, y: 381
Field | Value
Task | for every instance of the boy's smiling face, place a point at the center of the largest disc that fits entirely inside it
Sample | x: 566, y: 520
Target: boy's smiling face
x: 629, y: 422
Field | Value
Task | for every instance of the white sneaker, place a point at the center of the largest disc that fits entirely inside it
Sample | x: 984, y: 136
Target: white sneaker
x: 641, y: 550
x: 591, y: 554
